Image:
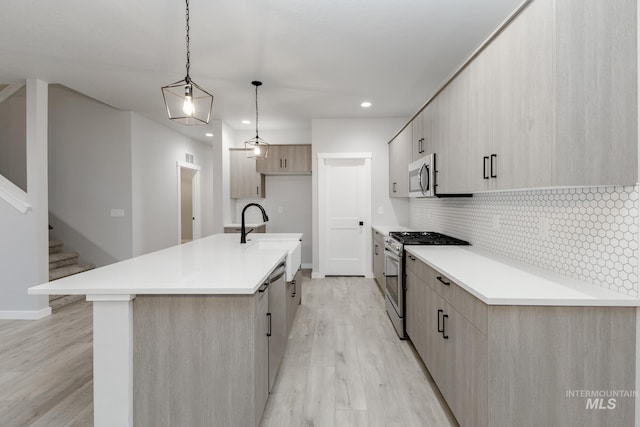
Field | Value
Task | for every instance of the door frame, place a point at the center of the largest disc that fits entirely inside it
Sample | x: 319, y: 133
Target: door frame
x: 195, y: 206
x: 322, y: 215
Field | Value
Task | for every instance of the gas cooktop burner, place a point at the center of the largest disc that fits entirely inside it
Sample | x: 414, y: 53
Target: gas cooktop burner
x: 425, y: 238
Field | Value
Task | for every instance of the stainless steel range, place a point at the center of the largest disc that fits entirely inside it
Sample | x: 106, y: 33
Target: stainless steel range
x: 394, y: 269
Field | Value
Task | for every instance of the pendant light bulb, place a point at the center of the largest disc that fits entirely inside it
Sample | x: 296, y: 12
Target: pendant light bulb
x: 187, y: 107
x: 256, y: 150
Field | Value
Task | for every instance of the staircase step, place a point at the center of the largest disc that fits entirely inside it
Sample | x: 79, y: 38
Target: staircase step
x: 62, y: 259
x: 57, y: 301
x: 69, y: 270
x: 55, y: 246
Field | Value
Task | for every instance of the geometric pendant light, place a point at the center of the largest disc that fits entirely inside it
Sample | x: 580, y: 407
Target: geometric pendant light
x: 256, y: 148
x: 186, y: 102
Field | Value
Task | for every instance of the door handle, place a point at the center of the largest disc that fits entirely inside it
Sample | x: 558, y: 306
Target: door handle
x: 269, y: 316
x: 494, y: 174
x: 484, y: 167
x: 444, y: 334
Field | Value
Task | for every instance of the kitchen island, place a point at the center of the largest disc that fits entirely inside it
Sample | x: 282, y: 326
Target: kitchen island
x: 179, y: 334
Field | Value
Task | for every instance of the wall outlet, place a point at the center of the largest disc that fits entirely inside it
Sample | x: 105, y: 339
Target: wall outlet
x: 495, y: 222
x: 543, y: 228
x: 380, y: 210
x: 117, y: 212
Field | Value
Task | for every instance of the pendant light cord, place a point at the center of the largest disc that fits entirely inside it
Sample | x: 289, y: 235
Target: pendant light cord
x: 188, y: 79
x: 256, y: 113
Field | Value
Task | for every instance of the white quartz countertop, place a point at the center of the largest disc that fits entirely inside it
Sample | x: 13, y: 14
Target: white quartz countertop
x: 496, y: 280
x: 388, y: 228
x: 217, y: 264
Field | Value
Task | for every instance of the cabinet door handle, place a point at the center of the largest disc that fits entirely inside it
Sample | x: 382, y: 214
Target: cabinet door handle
x: 484, y: 167
x: 440, y: 329
x: 257, y: 190
x: 269, y: 316
x: 444, y: 334
x: 494, y: 171
x: 441, y: 280
x: 285, y: 163
x: 263, y: 287
x: 394, y: 187
x: 375, y: 249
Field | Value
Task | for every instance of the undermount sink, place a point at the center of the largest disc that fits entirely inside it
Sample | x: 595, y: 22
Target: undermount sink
x: 293, y: 248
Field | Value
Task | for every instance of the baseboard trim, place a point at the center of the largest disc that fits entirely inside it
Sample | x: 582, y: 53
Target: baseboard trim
x: 308, y: 266
x: 316, y: 275
x: 25, y: 314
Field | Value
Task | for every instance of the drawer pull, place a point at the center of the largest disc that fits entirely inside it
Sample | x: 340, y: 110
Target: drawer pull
x: 441, y: 280
x: 440, y: 329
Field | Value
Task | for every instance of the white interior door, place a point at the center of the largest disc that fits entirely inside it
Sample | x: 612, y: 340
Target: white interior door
x: 344, y: 191
x: 189, y: 222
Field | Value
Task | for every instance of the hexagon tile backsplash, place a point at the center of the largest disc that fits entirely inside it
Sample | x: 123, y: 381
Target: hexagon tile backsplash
x: 590, y: 233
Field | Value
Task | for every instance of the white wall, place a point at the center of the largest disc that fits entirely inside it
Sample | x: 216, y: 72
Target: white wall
x: 24, y: 249
x: 89, y: 174
x: 13, y: 138
x: 288, y: 204
x: 228, y: 139
x: 360, y: 135
x: 155, y: 149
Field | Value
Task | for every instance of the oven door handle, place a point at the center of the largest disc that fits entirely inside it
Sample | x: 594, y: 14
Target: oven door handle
x: 391, y: 255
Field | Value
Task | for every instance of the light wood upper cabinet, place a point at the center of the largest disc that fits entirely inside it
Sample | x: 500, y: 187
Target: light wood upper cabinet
x: 524, y: 113
x: 286, y: 159
x: 551, y: 101
x: 399, y: 159
x: 245, y: 182
x: 596, y: 92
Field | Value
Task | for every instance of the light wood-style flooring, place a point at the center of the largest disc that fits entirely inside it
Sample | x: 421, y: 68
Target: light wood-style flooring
x: 46, y: 369
x: 344, y: 366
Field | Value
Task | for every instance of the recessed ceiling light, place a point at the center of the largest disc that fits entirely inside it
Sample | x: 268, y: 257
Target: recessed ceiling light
x: 209, y: 134
x: 365, y: 104
x: 246, y: 122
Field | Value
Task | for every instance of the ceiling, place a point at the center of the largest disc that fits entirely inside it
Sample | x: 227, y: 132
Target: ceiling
x: 317, y: 59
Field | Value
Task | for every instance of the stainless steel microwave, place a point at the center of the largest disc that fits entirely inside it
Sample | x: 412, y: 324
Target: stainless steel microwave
x: 422, y: 177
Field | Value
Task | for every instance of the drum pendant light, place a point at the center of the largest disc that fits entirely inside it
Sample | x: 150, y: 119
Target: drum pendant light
x: 186, y: 102
x: 256, y: 147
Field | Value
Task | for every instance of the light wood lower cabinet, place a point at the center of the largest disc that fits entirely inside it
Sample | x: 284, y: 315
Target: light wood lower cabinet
x: 519, y: 365
x: 378, y: 258
x: 261, y: 355
x: 201, y: 360
x: 294, y: 297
